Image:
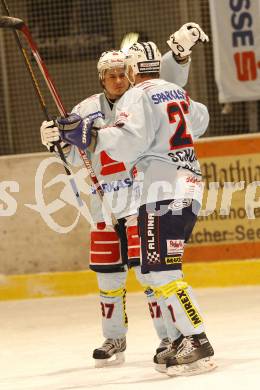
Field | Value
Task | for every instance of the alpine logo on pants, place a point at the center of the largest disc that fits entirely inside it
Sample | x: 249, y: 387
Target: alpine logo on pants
x: 153, y: 256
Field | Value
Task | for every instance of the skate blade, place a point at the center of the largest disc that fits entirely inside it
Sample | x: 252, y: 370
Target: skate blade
x: 119, y: 359
x: 196, y: 368
x: 160, y: 367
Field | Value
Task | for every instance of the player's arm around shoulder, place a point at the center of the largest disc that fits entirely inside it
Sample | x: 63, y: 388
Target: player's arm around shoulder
x: 85, y: 109
x: 130, y: 134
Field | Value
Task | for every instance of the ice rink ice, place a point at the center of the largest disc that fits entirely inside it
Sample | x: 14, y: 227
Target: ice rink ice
x: 46, y: 344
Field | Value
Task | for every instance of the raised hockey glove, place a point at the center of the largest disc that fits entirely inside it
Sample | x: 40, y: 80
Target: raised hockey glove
x: 182, y: 41
x: 50, y: 136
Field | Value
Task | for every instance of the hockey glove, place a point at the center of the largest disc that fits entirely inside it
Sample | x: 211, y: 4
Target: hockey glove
x: 182, y: 41
x: 49, y: 133
x: 74, y: 130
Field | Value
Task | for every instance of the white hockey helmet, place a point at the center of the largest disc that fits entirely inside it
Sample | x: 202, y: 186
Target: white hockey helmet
x: 109, y: 60
x: 144, y: 57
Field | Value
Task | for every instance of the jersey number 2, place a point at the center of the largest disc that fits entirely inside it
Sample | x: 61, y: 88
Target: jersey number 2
x: 181, y: 138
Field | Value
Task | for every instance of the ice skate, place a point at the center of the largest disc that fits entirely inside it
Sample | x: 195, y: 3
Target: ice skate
x: 163, y: 345
x: 162, y: 355
x: 193, y: 357
x: 111, y: 353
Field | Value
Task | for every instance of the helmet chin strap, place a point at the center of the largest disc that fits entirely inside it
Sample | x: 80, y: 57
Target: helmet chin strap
x: 131, y: 81
x: 105, y: 91
x: 110, y: 100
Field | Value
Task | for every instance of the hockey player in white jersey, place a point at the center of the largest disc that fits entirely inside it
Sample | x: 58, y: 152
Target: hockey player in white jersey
x: 109, y: 254
x: 111, y: 277
x: 156, y: 125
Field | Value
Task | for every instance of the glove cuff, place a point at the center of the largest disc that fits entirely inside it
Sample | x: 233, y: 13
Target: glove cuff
x: 181, y: 60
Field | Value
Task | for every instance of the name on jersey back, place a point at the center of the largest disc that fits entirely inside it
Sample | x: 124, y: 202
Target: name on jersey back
x: 167, y: 96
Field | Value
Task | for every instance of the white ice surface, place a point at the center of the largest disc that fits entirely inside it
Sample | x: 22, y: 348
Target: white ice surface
x: 46, y: 344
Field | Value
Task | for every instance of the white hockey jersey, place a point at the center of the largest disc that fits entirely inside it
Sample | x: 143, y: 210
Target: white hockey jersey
x: 113, y: 176
x: 121, y: 191
x: 156, y: 124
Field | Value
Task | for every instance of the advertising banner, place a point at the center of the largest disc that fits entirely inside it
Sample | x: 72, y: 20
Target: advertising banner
x: 229, y: 221
x: 236, y: 37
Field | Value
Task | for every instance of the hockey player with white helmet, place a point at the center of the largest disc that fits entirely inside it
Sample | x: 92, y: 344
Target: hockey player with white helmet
x: 156, y: 125
x: 109, y: 254
x: 156, y: 133
x: 112, y: 274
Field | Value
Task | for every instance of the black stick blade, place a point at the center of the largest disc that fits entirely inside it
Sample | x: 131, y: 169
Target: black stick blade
x: 10, y: 22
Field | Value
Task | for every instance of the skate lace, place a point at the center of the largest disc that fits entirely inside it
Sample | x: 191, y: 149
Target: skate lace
x: 112, y: 343
x: 186, y: 346
x: 166, y: 352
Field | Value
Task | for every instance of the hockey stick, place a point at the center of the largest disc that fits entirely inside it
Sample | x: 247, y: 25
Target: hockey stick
x: 42, y: 103
x: 19, y: 24
x: 128, y: 40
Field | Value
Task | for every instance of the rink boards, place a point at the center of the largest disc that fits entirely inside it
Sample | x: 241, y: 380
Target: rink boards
x: 218, y: 274
x: 36, y: 260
